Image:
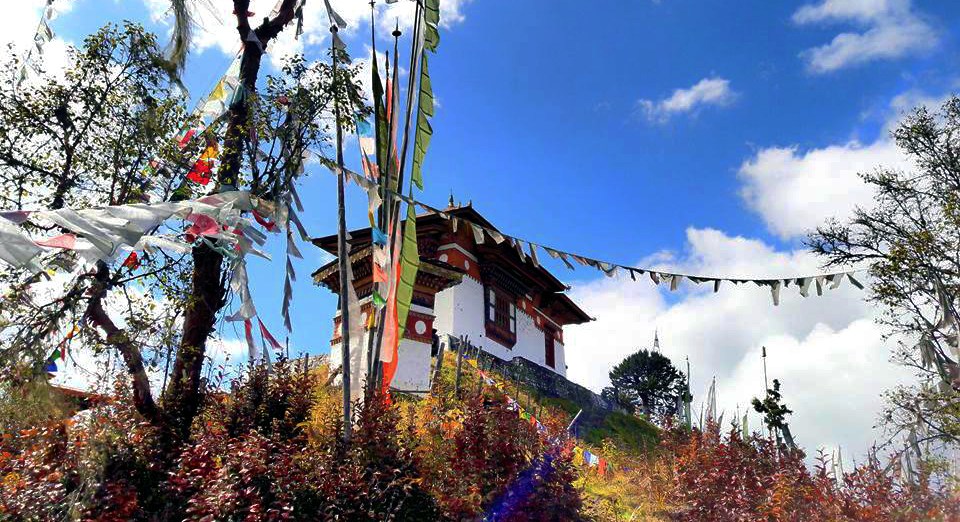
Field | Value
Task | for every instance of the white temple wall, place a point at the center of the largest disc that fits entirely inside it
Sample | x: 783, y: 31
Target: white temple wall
x: 413, y: 371
x: 460, y: 311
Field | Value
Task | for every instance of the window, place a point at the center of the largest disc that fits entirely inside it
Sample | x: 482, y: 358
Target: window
x: 501, y: 317
x: 550, y: 354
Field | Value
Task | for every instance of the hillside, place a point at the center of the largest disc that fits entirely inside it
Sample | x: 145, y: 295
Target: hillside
x: 269, y: 449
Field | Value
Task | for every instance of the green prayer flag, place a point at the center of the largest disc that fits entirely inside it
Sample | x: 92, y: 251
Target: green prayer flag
x: 380, y: 119
x: 431, y: 15
x: 378, y: 299
x: 409, y: 264
x: 424, y: 130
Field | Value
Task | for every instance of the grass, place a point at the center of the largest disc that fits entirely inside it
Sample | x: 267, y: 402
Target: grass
x: 633, y: 434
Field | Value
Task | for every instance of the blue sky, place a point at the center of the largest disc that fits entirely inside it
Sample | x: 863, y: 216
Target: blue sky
x: 704, y: 136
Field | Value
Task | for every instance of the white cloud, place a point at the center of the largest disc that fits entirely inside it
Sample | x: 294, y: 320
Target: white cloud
x: 217, y: 27
x: 889, y: 29
x: 20, y: 20
x: 826, y: 350
x: 86, y: 370
x: 796, y: 190
x: 708, y: 91
x: 18, y: 26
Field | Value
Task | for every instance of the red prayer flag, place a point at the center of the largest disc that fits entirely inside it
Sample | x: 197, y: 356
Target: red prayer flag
x: 266, y: 223
x: 379, y: 276
x: 248, y: 333
x: 187, y: 137
x: 203, y: 225
x: 201, y: 172
x: 391, y: 325
x: 269, y: 338
x: 132, y: 261
x: 67, y: 241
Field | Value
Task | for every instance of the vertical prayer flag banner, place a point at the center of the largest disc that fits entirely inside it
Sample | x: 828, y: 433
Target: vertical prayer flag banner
x: 424, y: 131
x: 409, y: 265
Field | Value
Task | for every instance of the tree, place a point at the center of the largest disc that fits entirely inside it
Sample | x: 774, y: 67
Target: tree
x: 86, y: 139
x: 910, y: 240
x: 775, y: 413
x: 102, y: 135
x: 646, y: 381
x: 209, y: 285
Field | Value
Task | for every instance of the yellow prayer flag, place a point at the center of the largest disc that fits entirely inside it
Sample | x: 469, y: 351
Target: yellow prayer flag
x: 210, y: 153
x: 218, y: 92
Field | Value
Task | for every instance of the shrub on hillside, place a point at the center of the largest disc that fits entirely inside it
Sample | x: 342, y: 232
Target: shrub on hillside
x: 268, y: 449
x: 725, y: 477
x: 479, y: 458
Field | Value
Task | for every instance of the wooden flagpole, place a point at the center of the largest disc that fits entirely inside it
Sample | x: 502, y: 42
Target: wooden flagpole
x: 342, y: 253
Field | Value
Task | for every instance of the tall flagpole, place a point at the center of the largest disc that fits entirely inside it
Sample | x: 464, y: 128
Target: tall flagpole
x: 375, y: 336
x: 688, y: 398
x: 342, y: 254
x: 411, y: 83
x: 766, y: 385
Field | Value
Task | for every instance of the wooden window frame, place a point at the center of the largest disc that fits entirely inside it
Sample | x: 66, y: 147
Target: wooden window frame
x: 549, y: 348
x: 500, y: 316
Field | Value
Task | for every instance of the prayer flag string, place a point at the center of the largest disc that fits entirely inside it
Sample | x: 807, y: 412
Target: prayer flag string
x: 830, y: 281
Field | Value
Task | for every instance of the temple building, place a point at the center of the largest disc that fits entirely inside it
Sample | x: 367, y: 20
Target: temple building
x: 491, y: 293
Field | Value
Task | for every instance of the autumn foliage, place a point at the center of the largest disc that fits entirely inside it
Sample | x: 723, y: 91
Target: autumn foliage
x: 266, y: 447
x: 712, y: 475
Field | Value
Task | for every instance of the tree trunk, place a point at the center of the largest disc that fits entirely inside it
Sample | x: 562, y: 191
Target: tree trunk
x: 182, y: 398
x: 183, y: 395
x: 142, y: 396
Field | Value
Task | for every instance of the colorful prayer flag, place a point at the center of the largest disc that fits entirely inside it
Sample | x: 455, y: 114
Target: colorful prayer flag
x: 269, y: 338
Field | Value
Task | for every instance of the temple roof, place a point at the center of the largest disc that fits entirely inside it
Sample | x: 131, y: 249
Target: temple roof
x: 430, y: 222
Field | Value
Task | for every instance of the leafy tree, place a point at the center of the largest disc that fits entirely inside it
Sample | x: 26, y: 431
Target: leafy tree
x: 775, y: 413
x: 910, y: 239
x: 89, y: 138
x: 646, y: 381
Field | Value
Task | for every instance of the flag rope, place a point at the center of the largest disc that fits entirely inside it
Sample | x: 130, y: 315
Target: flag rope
x: 672, y: 279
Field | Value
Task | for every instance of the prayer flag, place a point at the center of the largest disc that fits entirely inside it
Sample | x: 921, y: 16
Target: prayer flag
x: 201, y: 172
x: 132, y: 262
x: 66, y: 241
x: 251, y: 344
x: 424, y: 131
x: 853, y: 281
x: 269, y: 338
x: 378, y: 300
x: 431, y: 15
x: 264, y: 222
x: 578, y: 456
x: 410, y: 264
x: 334, y: 17
x: 363, y: 127
x: 16, y: 216
x: 379, y: 238
x: 379, y: 275
x: 187, y: 136
x: 203, y: 225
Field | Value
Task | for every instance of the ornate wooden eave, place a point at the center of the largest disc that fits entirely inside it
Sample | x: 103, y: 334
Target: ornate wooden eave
x: 433, y: 274
x: 510, y: 270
